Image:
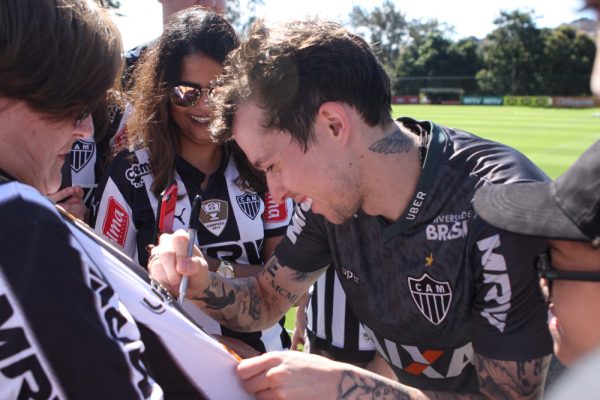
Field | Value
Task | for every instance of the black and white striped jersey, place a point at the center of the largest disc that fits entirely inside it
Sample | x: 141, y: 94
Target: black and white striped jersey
x: 439, y: 283
x: 234, y: 223
x: 332, y: 325
x: 87, y: 158
x: 76, y: 322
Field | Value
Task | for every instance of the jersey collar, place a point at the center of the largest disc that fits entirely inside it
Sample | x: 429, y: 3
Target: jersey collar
x: 437, y: 142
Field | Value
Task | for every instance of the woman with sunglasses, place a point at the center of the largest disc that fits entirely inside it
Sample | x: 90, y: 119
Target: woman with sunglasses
x: 170, y: 149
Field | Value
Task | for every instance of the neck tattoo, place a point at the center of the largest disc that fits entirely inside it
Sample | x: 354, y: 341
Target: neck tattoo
x: 395, y: 141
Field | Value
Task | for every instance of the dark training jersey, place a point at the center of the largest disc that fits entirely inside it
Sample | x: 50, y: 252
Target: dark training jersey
x: 77, y: 322
x: 233, y: 225
x: 439, y: 283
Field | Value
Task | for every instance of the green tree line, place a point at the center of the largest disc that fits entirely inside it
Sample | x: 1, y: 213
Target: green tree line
x: 516, y: 58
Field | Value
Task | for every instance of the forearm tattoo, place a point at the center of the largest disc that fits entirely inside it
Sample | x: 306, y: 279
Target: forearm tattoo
x: 511, y: 379
x: 233, y: 302
x: 361, y: 386
x: 217, y: 297
x: 395, y: 141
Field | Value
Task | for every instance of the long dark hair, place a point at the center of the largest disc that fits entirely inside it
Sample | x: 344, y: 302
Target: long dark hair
x: 191, y: 31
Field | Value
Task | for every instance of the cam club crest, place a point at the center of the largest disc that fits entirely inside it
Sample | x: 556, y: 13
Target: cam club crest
x: 431, y: 297
x: 249, y: 203
x: 213, y: 215
x: 81, y: 153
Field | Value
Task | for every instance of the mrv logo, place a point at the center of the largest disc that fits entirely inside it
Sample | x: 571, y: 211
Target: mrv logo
x: 449, y: 227
x: 496, y: 282
x: 22, y: 371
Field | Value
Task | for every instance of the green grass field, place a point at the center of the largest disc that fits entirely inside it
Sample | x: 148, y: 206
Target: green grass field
x: 552, y: 138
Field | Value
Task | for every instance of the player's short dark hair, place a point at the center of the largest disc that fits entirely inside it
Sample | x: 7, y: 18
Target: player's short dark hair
x: 292, y: 69
x: 59, y: 56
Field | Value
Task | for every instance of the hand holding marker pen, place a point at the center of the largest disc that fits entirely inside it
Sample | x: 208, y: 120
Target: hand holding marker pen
x: 192, y: 230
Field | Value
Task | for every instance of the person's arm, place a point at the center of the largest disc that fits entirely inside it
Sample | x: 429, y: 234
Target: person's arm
x: 299, y: 336
x: 511, y: 379
x: 242, y: 304
x: 268, y: 376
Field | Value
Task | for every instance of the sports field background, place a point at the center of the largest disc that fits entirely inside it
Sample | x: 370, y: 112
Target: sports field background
x: 552, y: 138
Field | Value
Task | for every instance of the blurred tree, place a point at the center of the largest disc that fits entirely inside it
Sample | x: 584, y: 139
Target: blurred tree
x: 567, y: 62
x: 512, y: 56
x: 239, y: 18
x: 385, y: 28
x: 110, y: 3
x: 435, y: 61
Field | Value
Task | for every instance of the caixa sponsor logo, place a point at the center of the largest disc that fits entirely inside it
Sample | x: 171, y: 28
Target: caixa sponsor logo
x: 135, y: 172
x: 274, y: 212
x: 439, y: 363
x: 116, y: 222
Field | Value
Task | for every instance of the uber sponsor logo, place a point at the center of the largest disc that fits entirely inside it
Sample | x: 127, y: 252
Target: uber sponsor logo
x: 431, y: 297
x: 415, y: 206
x: 213, y: 215
x: 298, y: 222
x: 135, y: 173
x: 81, y: 153
x: 116, y: 222
x: 449, y: 227
x: 495, y: 276
x: 274, y: 212
x: 249, y: 203
x: 19, y: 364
x: 432, y: 363
x: 351, y: 276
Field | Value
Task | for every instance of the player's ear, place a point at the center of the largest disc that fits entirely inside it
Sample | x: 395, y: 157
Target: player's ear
x: 334, y: 118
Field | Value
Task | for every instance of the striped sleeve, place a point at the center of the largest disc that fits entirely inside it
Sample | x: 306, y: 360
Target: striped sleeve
x: 64, y: 333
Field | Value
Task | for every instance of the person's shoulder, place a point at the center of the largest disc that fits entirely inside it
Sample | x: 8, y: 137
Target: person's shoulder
x: 22, y: 204
x: 492, y: 162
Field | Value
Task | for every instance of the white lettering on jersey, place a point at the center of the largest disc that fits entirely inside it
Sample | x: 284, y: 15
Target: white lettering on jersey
x: 420, y: 361
x: 449, y: 227
x: 135, y: 173
x: 351, y: 276
x: 23, y: 372
x: 116, y: 222
x: 495, y: 274
x: 415, y: 206
x: 298, y: 222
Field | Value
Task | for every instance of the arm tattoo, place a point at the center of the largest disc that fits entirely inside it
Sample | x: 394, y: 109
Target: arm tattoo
x: 511, y: 379
x: 355, y: 386
x: 217, y: 297
x: 394, y: 142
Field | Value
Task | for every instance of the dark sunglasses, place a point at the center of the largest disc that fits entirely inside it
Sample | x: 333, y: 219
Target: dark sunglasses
x: 547, y: 274
x: 185, y: 94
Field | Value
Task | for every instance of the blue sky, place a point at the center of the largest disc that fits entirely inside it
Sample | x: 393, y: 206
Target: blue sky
x: 143, y: 18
